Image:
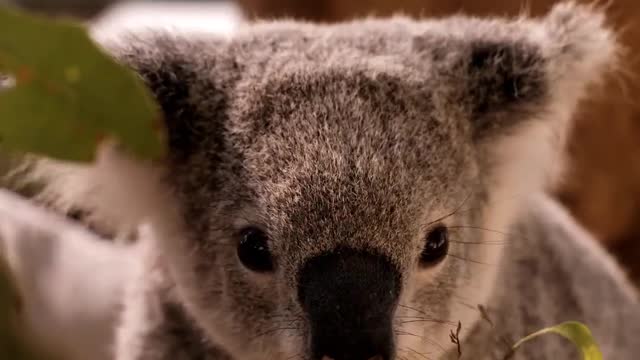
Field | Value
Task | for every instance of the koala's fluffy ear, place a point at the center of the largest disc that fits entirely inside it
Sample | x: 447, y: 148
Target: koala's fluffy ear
x: 189, y: 89
x: 512, y: 72
x: 518, y: 83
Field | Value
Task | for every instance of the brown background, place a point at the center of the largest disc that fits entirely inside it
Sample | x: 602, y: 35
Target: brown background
x: 603, y: 189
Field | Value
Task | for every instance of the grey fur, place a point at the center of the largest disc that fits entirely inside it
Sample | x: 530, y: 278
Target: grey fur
x: 366, y: 135
x: 557, y: 260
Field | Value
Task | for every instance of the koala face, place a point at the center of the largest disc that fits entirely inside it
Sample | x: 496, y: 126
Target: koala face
x: 343, y: 192
x: 332, y: 213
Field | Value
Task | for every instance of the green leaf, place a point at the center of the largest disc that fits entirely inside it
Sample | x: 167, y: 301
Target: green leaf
x: 575, y: 331
x: 68, y: 94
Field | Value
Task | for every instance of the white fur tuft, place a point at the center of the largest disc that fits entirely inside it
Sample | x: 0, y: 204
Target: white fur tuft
x: 116, y: 191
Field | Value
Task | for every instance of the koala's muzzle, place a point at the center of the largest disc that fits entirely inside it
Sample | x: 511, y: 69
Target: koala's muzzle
x: 349, y: 298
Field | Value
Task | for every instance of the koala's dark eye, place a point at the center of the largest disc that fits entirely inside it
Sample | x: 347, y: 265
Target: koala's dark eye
x: 253, y: 250
x: 436, y: 246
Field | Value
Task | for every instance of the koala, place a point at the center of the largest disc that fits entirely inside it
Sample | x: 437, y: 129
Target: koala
x: 370, y: 190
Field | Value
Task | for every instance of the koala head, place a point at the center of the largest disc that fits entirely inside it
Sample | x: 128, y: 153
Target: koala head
x: 344, y: 191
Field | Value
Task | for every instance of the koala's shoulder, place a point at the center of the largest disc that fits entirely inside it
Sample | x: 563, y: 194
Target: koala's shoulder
x: 555, y: 271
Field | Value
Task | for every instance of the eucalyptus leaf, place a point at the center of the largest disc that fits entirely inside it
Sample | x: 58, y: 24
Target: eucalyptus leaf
x: 67, y: 95
x: 574, y: 331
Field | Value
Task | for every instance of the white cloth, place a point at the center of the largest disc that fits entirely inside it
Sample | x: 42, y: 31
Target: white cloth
x: 70, y: 281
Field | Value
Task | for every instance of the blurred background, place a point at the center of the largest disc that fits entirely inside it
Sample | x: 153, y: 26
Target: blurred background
x: 603, y: 186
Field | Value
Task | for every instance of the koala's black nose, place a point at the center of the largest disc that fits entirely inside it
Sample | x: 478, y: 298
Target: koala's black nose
x: 349, y: 298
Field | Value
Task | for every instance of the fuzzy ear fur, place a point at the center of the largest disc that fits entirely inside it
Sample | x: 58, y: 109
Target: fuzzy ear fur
x: 192, y: 107
x: 527, y: 80
x: 512, y: 71
x: 537, y: 70
x: 191, y: 100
